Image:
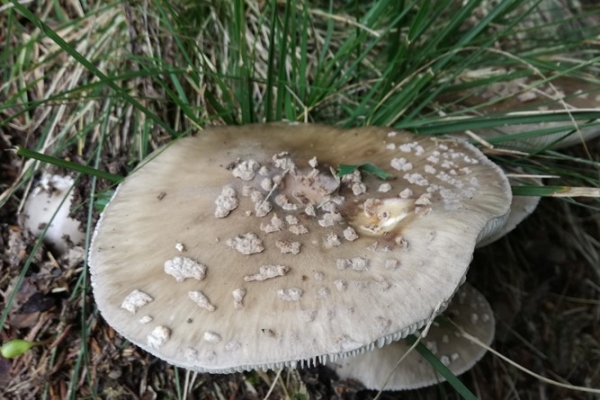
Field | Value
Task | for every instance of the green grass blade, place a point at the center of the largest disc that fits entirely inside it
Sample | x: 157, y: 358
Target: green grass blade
x: 442, y: 369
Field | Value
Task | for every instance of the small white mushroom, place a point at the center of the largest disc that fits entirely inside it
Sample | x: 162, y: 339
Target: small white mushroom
x: 45, y: 203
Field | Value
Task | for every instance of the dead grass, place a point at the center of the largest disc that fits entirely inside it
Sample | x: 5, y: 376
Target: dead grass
x: 543, y: 280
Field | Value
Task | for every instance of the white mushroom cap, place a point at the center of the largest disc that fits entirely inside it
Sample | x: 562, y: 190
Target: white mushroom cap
x: 330, y: 269
x: 45, y: 203
x: 469, y: 310
x: 566, y: 94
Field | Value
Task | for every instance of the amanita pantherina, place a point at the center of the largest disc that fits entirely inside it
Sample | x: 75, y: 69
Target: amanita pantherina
x: 240, y: 248
x: 468, y: 310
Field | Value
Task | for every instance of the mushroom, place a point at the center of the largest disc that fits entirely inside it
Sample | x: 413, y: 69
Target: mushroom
x: 468, y: 310
x: 559, y: 95
x: 284, y: 262
x: 520, y: 208
x: 50, y: 203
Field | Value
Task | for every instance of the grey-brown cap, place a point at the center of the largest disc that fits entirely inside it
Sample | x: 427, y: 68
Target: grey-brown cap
x: 561, y: 94
x: 468, y: 310
x: 240, y: 249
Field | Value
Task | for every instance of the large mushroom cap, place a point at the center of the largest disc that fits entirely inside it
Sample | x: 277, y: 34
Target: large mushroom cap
x: 239, y: 249
x: 468, y: 310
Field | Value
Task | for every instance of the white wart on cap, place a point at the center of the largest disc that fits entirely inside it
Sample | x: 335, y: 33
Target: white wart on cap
x: 183, y: 265
x: 564, y: 94
x: 468, y: 309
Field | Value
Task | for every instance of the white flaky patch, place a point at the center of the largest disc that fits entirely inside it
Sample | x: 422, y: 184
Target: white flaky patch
x: 266, y: 184
x: 158, y: 337
x: 262, y: 208
x: 384, y: 188
x: 288, y: 247
x: 350, y: 234
x: 340, y: 284
x: 284, y: 162
x: 356, y: 263
x: 290, y: 294
x: 392, y: 264
x: 282, y: 201
x: 401, y: 164
x: 201, y: 300
x: 275, y: 225
x: 182, y: 268
x: 358, y: 188
x: 247, y: 243
x: 267, y: 272
x: 416, y: 179
x: 291, y: 220
x: 146, y: 319
x: 298, y: 229
x: 136, y: 300
x: 246, y: 170
x: 211, y: 337
x: 406, y: 193
x: 330, y: 219
x: 238, y: 298
x: 331, y: 240
x: 226, y: 202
